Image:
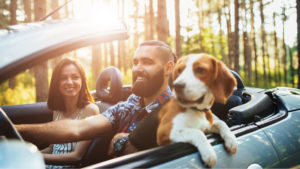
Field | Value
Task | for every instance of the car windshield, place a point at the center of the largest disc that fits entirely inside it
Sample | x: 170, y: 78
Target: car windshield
x: 29, y: 39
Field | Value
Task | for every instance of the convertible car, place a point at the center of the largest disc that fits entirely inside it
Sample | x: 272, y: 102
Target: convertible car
x: 265, y: 121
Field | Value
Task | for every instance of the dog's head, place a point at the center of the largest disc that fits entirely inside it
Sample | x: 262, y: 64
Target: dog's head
x: 199, y: 78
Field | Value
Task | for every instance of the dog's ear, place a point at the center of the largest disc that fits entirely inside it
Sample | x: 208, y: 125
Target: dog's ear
x: 223, y: 82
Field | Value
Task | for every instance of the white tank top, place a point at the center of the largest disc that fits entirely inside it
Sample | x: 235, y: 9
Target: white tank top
x: 64, y: 148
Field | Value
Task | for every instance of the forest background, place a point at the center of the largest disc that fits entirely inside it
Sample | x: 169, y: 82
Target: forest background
x: 256, y: 38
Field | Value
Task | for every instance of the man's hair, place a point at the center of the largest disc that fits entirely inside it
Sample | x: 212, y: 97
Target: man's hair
x: 55, y: 98
x: 159, y: 44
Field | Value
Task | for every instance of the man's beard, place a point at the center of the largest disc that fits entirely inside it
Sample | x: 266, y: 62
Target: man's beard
x: 147, y: 87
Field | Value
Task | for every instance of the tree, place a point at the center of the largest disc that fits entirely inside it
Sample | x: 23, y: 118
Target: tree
x: 54, y: 5
x: 13, y: 21
x: 13, y: 12
x: 200, y: 14
x: 40, y: 71
x: 96, y: 60
x: 236, y: 36
x: 277, y: 74
x: 263, y: 40
x: 151, y: 20
x: 177, y: 27
x: 27, y: 10
x: 229, y: 32
x: 284, y: 18
x: 210, y: 22
x: 253, y: 38
x: 146, y: 24
x: 219, y: 10
x: 121, y: 44
x: 291, y: 67
x: 105, y: 47
x: 298, y: 40
x: 246, y: 43
x: 162, y: 25
x: 135, y: 25
x: 112, y: 54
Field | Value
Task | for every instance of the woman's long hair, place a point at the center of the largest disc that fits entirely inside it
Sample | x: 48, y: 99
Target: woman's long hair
x: 55, y: 98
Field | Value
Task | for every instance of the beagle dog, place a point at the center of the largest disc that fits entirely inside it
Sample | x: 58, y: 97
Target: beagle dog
x: 198, y: 80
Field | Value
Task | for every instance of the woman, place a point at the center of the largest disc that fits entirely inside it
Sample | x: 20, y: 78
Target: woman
x: 69, y: 98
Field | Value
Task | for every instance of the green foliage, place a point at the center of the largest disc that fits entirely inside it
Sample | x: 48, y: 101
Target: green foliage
x: 24, y: 92
x: 202, y: 43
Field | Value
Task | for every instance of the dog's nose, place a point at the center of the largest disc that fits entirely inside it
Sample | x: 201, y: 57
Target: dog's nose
x: 179, y: 86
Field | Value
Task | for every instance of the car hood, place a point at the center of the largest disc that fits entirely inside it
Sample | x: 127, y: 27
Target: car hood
x: 23, y: 46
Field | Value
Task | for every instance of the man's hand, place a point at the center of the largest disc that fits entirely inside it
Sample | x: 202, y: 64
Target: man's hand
x: 128, y: 147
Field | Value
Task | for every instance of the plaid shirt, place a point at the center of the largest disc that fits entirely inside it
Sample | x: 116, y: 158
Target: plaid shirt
x: 125, y: 116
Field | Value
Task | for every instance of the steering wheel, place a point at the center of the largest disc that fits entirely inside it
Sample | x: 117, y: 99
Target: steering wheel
x: 7, y: 128
x: 113, y: 94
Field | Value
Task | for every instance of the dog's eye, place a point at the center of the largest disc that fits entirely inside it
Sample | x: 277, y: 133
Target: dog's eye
x: 200, y: 70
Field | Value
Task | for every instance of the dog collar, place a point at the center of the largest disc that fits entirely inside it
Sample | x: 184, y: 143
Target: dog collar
x: 203, y: 110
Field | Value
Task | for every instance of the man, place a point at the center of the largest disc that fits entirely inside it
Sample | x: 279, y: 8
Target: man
x: 152, y: 65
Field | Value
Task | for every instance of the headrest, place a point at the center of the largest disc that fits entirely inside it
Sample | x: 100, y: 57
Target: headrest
x: 112, y: 93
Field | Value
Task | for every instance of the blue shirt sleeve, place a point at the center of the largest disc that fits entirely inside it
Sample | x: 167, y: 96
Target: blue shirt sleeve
x: 119, y: 112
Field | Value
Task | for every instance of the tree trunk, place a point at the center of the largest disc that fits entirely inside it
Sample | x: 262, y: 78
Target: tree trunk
x: 263, y: 40
x: 151, y: 20
x: 121, y: 45
x: 229, y: 33
x: 27, y: 10
x: 40, y: 71
x: 236, y: 36
x: 56, y: 15
x: 254, y: 42
x: 291, y: 67
x: 177, y: 27
x: 247, y: 56
x: 284, y: 46
x: 298, y: 40
x: 247, y: 46
x: 13, y: 12
x: 210, y: 22
x: 112, y: 54
x: 224, y: 58
x: 277, y: 75
x: 96, y: 61
x: 54, y: 5
x: 13, y: 21
x: 105, y: 46
x: 162, y: 21
x: 67, y: 9
x: 146, y: 24
x: 135, y: 25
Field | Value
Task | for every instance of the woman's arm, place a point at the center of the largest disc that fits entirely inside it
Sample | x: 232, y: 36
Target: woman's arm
x: 72, y: 158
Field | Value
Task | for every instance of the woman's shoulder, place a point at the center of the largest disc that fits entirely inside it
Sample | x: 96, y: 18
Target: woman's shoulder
x: 90, y: 110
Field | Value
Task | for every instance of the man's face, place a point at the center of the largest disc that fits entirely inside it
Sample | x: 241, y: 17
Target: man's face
x: 147, y: 71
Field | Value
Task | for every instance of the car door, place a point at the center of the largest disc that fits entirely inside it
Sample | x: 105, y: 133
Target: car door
x: 254, y: 148
x: 285, y: 137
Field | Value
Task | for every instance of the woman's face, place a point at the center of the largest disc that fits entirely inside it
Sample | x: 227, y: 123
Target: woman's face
x: 70, y: 81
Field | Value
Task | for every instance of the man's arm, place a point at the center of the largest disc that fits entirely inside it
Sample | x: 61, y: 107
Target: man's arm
x: 63, y: 131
